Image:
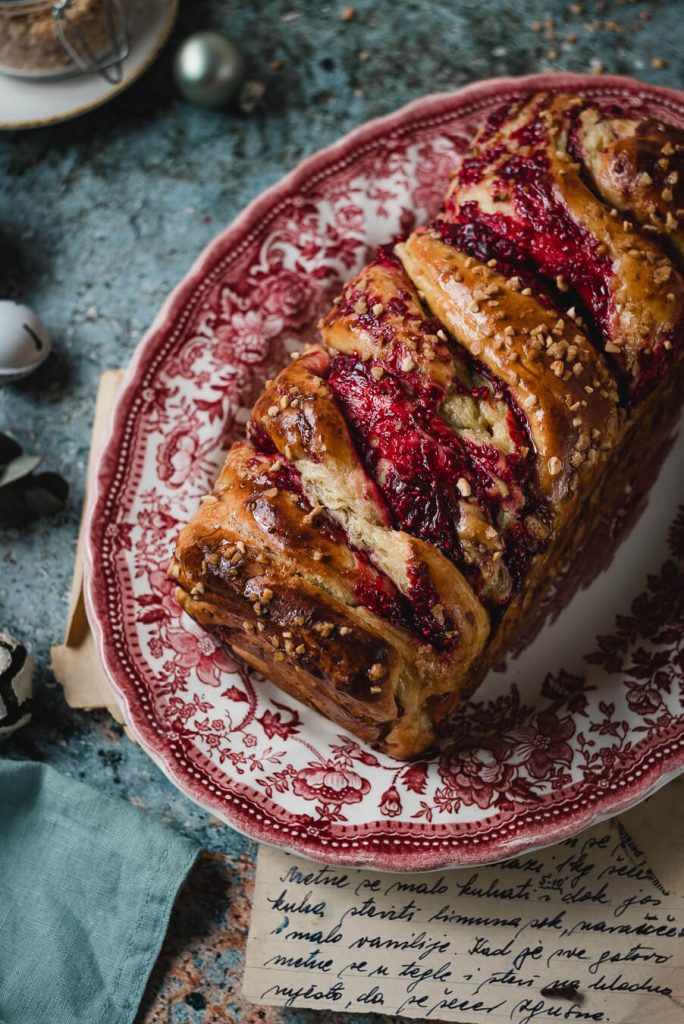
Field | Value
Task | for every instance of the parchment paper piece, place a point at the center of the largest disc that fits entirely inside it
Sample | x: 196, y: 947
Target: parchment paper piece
x: 76, y: 663
x: 582, y: 931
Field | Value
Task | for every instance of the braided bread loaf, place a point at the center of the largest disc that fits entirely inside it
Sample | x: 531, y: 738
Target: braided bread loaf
x: 410, y: 488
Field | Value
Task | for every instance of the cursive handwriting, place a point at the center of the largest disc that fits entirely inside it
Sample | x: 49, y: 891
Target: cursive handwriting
x: 581, y: 932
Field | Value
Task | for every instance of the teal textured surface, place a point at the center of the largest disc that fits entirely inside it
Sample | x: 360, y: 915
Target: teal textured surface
x: 99, y: 218
x: 87, y: 883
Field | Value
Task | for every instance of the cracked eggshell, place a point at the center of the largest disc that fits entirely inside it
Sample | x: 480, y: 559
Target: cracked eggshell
x: 25, y: 341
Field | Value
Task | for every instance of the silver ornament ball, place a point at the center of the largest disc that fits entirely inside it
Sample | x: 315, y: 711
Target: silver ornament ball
x: 25, y: 341
x: 209, y: 69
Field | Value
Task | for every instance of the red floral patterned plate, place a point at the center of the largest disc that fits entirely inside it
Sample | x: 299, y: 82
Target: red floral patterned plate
x: 586, y: 722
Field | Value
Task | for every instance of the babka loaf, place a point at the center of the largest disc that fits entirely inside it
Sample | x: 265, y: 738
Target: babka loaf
x: 409, y: 488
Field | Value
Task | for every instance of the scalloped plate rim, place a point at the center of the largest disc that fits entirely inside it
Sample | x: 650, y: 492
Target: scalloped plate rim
x: 424, y: 859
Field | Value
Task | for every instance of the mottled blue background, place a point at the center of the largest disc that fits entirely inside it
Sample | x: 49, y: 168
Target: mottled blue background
x: 100, y: 217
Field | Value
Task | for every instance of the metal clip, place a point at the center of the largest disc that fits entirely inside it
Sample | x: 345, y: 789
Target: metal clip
x: 109, y: 61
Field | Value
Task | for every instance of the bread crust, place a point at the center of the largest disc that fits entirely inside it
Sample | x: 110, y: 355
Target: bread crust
x: 412, y: 487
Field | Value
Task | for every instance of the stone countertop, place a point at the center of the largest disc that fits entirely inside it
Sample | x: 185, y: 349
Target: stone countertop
x: 101, y: 216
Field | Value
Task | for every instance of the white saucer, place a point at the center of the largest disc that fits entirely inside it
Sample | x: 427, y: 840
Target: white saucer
x: 28, y: 103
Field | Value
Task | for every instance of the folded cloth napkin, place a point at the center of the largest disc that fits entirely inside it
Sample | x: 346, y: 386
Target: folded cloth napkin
x: 87, y: 884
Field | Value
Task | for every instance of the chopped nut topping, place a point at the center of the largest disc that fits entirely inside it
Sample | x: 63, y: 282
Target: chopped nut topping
x: 377, y: 671
x: 554, y: 465
x: 315, y: 511
x: 438, y: 612
x: 407, y: 364
x: 610, y: 347
x: 377, y: 372
x: 464, y: 487
x: 561, y: 284
x: 345, y: 630
x: 266, y: 594
x: 271, y: 492
x: 378, y: 309
x: 273, y: 410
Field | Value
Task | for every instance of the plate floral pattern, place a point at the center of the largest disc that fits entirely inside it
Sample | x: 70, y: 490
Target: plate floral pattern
x: 586, y: 721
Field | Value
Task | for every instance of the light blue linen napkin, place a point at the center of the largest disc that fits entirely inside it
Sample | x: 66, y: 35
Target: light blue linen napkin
x: 87, y: 884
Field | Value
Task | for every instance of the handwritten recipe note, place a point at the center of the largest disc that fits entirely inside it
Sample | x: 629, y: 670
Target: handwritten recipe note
x: 583, y: 931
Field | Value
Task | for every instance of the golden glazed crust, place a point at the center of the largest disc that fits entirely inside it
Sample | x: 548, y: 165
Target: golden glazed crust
x: 637, y: 167
x: 549, y: 366
x: 531, y: 188
x: 273, y: 577
x: 412, y: 487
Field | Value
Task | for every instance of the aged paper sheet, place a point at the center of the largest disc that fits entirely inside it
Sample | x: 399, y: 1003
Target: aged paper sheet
x: 76, y: 663
x: 582, y: 931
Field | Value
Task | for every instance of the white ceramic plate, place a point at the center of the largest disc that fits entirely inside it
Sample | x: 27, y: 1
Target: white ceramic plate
x: 586, y: 722
x: 30, y: 102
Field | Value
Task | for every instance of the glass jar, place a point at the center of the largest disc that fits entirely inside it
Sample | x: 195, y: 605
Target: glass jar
x: 61, y: 37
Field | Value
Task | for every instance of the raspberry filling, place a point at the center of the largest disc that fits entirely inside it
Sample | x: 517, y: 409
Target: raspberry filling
x: 422, y: 467
x: 546, y: 236
x: 408, y: 449
x: 542, y: 239
x: 480, y: 240
x: 372, y: 588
